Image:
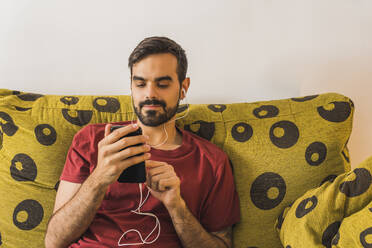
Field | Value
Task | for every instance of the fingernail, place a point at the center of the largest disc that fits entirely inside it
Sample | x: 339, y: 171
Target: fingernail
x: 135, y: 125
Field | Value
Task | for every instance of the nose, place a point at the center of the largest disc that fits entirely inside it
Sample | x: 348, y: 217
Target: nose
x: 151, y: 91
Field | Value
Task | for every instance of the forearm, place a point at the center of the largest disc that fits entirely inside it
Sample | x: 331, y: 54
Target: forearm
x: 190, y: 231
x: 70, y: 221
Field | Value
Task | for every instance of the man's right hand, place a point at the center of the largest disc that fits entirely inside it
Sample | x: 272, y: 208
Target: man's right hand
x: 111, y: 161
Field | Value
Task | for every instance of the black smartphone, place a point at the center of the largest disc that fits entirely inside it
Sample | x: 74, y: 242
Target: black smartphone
x: 135, y: 173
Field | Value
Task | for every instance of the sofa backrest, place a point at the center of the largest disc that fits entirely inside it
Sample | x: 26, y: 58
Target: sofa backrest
x: 279, y: 149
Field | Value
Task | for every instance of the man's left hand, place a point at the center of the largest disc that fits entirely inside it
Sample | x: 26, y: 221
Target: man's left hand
x: 163, y: 183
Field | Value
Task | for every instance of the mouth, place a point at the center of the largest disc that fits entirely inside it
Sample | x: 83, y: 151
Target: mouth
x: 151, y: 106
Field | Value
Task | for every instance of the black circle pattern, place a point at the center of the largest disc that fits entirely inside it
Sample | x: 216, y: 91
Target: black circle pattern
x: 260, y: 187
x: 219, y: 108
x: 336, y: 239
x: 345, y: 156
x: 45, y: 139
x: 339, y: 113
x: 112, y: 104
x: 329, y: 178
x: 301, y: 209
x: 56, y: 186
x: 9, y: 128
x: 359, y: 185
x: 182, y: 108
x: 83, y: 117
x: 69, y: 100
x: 28, y: 171
x: 231, y: 166
x: 266, y: 111
x: 21, y: 109
x: 330, y: 233
x: 29, y: 96
x: 244, y: 135
x: 35, y: 214
x: 290, y: 137
x: 316, y: 148
x: 206, y: 129
x: 363, y: 239
x: 1, y: 139
x: 280, y: 220
x: 304, y: 99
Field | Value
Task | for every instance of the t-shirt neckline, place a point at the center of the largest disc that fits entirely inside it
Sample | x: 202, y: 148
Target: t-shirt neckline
x: 177, y: 152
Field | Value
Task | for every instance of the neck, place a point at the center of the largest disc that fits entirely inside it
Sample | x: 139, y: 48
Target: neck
x: 157, y: 135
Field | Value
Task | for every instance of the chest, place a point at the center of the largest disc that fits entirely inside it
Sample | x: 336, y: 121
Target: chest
x: 196, y: 181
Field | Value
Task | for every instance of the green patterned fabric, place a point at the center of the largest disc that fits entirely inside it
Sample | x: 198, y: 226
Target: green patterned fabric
x: 336, y: 214
x: 279, y: 149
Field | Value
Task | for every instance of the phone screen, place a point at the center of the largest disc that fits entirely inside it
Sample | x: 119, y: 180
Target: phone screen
x: 135, y: 173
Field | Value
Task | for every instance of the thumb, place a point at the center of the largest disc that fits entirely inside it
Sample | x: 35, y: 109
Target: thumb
x: 107, y: 129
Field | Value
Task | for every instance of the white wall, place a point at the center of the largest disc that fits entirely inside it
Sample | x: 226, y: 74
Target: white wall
x: 238, y: 50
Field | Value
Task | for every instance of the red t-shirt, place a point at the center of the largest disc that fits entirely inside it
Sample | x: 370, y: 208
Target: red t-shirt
x: 207, y: 186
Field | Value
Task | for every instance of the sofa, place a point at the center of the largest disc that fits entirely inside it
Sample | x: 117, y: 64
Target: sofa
x: 284, y: 154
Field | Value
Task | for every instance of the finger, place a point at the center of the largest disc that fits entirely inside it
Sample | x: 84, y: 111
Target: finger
x: 160, y: 169
x: 153, y: 181
x: 120, y: 132
x: 107, y: 129
x: 130, y: 152
x: 133, y: 160
x: 153, y: 163
x: 154, y: 185
x: 168, y: 183
x: 128, y: 141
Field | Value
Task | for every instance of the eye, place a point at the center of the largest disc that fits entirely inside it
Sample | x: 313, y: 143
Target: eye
x: 163, y: 85
x: 140, y: 84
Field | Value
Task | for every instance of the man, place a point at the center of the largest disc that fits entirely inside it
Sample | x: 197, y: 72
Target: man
x: 192, y: 199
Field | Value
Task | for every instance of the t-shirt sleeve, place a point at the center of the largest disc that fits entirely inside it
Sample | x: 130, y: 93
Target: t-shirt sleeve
x: 77, y: 165
x: 221, y: 208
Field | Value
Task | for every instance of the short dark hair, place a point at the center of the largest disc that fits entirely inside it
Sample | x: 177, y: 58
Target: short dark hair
x: 156, y: 45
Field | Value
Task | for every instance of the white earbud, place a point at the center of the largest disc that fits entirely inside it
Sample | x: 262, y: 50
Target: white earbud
x: 184, y: 93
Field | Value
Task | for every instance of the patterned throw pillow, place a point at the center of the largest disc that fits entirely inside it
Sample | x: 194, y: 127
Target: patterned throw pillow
x: 336, y: 214
x: 279, y: 149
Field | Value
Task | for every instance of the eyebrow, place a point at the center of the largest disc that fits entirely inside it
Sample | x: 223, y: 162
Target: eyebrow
x: 138, y: 78
x: 169, y: 78
x: 158, y: 79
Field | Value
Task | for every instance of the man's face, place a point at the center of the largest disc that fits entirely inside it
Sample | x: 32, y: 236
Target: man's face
x: 155, y: 89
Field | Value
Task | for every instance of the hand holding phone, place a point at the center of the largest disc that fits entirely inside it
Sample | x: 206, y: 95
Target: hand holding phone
x: 137, y: 172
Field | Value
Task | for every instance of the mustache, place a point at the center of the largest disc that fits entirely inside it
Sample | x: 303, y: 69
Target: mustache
x: 152, y: 102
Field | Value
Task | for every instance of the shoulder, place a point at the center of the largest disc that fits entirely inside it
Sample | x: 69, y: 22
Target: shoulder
x: 90, y: 132
x: 206, y: 147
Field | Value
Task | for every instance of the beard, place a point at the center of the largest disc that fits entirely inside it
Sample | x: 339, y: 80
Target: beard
x: 154, y: 118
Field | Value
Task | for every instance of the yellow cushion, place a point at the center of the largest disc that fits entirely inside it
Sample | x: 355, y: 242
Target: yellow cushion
x: 355, y: 230
x: 279, y: 149
x: 337, y: 214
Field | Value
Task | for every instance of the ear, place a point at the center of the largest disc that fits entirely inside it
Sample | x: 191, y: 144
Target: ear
x: 185, y: 86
